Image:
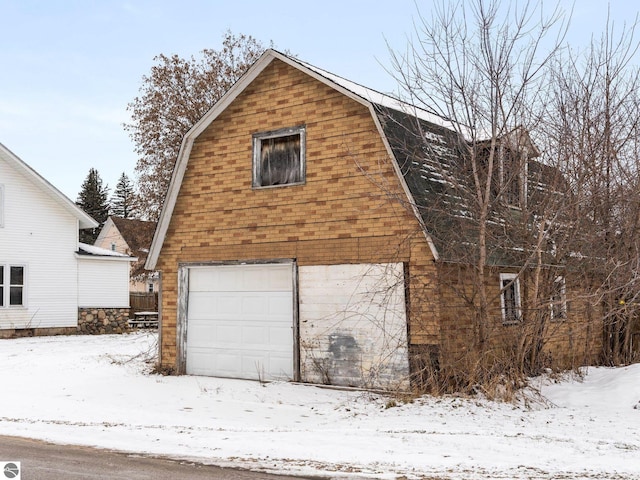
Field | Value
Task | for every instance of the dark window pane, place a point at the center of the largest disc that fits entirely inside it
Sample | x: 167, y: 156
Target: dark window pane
x: 280, y: 160
x: 510, y: 301
x: 17, y: 276
x: 1, y: 275
x: 511, y: 178
x: 557, y: 300
x: 15, y: 296
x: 1, y: 296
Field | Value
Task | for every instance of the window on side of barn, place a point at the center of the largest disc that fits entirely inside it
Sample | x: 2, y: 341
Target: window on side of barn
x: 279, y: 157
x: 510, y: 298
x: 558, y: 300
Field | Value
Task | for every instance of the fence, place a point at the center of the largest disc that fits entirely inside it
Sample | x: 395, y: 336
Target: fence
x: 143, y: 302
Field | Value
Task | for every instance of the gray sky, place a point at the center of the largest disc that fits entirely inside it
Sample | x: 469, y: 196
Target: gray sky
x: 68, y: 68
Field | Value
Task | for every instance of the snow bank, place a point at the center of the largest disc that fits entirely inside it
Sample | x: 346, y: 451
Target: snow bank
x: 96, y: 391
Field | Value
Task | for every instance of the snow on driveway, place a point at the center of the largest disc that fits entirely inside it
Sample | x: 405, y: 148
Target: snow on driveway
x: 96, y: 390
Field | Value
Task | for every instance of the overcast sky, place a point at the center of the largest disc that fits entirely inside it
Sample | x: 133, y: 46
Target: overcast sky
x: 68, y: 68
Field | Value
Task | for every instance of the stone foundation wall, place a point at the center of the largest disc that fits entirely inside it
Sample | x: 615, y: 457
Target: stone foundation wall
x: 98, y: 321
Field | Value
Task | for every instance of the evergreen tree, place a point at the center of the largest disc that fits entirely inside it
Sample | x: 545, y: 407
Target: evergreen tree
x: 123, y: 201
x: 93, y: 200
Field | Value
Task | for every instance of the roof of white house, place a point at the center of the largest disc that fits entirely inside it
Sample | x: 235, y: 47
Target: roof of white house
x: 85, y: 221
x: 85, y: 249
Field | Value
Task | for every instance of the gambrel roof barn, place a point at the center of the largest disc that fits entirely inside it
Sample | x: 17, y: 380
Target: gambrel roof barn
x: 298, y: 239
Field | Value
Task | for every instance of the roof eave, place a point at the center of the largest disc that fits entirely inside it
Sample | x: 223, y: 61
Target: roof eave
x: 84, y: 220
x: 403, y: 183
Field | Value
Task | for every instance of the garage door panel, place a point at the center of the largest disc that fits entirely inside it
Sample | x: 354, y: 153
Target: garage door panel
x: 201, y: 304
x: 226, y: 334
x: 200, y: 279
x: 200, y: 359
x: 279, y: 364
x: 255, y: 364
x: 254, y: 304
x: 280, y: 304
x: 240, y: 321
x: 279, y: 280
x: 227, y: 305
x: 280, y: 337
x: 201, y: 333
x: 255, y: 335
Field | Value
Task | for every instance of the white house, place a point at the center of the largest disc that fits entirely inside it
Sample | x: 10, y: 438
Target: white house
x: 41, y: 277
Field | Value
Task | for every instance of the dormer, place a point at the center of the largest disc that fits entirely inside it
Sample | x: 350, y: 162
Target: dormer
x: 510, y: 166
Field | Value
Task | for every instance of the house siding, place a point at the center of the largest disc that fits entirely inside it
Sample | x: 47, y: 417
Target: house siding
x: 103, y: 282
x: 111, y: 235
x: 31, y: 221
x: 350, y: 210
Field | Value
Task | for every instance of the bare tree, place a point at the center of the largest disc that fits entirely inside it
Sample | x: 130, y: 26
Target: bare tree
x: 595, y: 127
x: 173, y: 97
x: 483, y: 67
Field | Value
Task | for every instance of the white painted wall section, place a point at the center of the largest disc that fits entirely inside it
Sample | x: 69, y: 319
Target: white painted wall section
x: 353, y: 325
x: 103, y: 281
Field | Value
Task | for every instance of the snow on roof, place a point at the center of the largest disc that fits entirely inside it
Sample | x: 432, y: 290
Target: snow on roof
x: 376, y: 97
x: 86, y: 249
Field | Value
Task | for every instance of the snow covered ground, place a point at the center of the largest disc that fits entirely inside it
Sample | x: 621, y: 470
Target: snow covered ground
x: 97, y: 391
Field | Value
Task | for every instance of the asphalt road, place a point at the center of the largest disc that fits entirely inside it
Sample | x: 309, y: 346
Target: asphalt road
x: 46, y: 461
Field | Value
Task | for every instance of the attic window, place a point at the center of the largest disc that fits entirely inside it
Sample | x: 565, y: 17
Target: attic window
x: 279, y: 157
x: 513, y: 170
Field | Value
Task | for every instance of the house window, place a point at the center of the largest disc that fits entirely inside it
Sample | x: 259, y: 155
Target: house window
x: 558, y: 300
x: 279, y: 157
x: 510, y: 298
x: 11, y: 285
x: 113, y: 247
x: 150, y: 287
x: 1, y: 205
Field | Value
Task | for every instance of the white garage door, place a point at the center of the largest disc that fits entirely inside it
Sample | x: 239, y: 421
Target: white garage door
x: 240, y: 321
